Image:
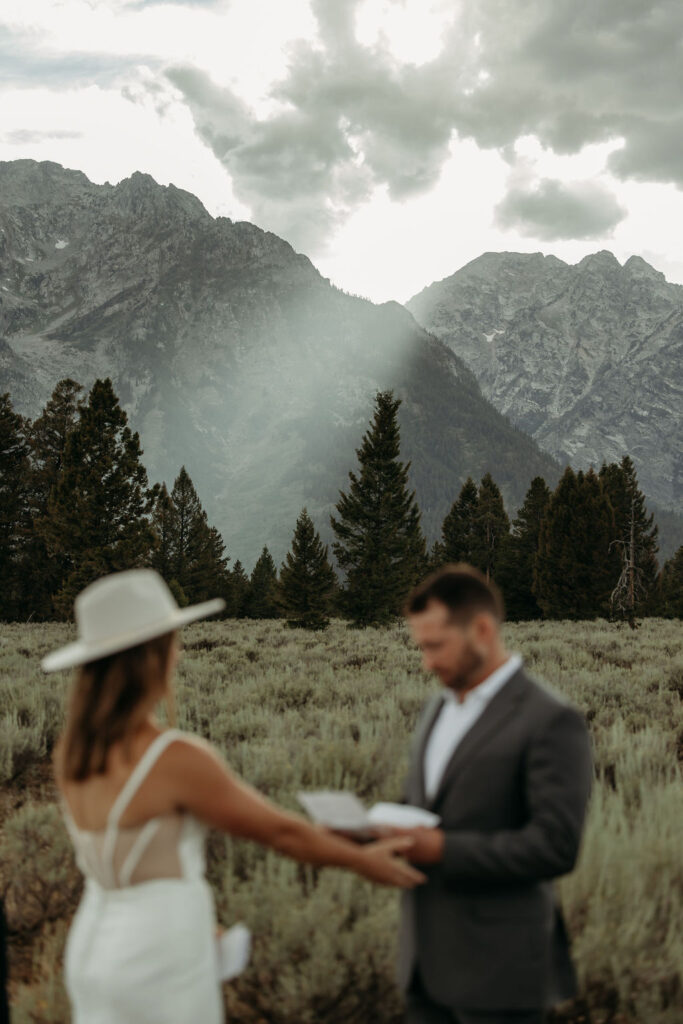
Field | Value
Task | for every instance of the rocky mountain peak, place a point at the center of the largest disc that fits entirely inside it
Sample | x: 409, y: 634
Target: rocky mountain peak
x: 141, y: 195
x: 494, y: 264
x: 586, y: 358
x: 602, y: 260
x: 34, y: 183
x: 636, y: 266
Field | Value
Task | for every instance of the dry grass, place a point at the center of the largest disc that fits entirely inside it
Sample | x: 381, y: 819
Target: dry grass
x: 297, y: 710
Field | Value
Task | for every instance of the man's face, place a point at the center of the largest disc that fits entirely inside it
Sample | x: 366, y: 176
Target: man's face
x: 453, y: 652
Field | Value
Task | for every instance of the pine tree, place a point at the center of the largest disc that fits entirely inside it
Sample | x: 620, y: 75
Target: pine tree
x: 164, y: 526
x: 97, y: 519
x: 635, y: 537
x: 209, y: 576
x: 435, y: 557
x: 189, y: 553
x: 669, y: 594
x: 458, y: 533
x: 379, y: 543
x: 14, y: 510
x: 515, y: 573
x: 575, y: 566
x: 262, y: 599
x: 491, y: 527
x: 49, y: 434
x: 239, y: 592
x: 47, y: 438
x: 307, y: 580
x: 187, y: 510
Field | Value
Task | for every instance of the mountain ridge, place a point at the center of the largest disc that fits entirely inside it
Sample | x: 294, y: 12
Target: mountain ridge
x: 231, y: 354
x: 585, y: 357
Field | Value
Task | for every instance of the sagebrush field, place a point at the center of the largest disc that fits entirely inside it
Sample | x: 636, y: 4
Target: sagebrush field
x: 293, y: 710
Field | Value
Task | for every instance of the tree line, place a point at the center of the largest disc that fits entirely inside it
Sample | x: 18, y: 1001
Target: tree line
x: 75, y: 504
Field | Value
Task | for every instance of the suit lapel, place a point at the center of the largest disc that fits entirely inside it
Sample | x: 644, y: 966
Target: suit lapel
x: 485, y: 728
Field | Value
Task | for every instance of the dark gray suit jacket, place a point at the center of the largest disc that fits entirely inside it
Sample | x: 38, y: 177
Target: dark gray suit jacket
x: 485, y: 930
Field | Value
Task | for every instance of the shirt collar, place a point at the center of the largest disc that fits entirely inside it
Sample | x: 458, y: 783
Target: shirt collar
x: 487, y: 689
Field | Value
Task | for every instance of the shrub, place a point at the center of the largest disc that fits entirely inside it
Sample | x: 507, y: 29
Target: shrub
x: 40, y: 881
x: 294, y: 710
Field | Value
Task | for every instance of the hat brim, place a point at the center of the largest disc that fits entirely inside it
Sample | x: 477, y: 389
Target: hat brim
x: 80, y: 652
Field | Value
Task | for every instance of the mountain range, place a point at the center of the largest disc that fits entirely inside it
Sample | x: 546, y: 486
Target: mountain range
x: 588, y: 359
x: 232, y: 355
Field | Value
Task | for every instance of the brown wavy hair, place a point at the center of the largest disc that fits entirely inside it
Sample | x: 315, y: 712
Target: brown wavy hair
x: 104, y: 699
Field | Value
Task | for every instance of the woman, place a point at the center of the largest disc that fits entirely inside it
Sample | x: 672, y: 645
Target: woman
x: 137, y: 800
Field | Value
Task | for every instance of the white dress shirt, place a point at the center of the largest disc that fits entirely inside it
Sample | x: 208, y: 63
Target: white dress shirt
x: 456, y: 718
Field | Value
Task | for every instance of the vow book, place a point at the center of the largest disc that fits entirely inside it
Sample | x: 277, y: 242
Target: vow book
x: 344, y: 812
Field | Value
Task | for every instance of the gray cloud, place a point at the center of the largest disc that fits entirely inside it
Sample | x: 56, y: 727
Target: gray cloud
x: 574, y: 72
x: 295, y: 171
x: 552, y: 210
x: 653, y: 150
x: 350, y: 117
x: 25, y: 136
x: 571, y: 72
x: 23, y: 62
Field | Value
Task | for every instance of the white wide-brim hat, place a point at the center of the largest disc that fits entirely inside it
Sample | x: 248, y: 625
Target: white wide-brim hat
x: 122, y: 611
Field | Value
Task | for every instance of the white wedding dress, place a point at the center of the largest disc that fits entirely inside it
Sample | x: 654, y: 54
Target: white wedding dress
x: 141, y: 948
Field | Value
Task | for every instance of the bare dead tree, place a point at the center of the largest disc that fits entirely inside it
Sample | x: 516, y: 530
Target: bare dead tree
x: 631, y: 584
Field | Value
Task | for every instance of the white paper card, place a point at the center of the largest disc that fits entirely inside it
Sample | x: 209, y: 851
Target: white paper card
x: 233, y: 949
x: 334, y: 809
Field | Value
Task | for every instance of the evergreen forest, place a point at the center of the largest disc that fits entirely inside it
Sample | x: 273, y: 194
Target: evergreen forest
x: 76, y: 504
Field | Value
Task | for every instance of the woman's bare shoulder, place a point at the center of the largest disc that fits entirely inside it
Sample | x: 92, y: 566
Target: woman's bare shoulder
x: 194, y: 772
x: 192, y: 739
x: 187, y: 746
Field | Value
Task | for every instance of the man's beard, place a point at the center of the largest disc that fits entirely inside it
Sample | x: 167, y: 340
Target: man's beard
x: 470, y: 663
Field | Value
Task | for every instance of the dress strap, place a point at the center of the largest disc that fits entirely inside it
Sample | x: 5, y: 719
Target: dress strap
x: 128, y: 791
x: 139, y: 774
x: 142, y: 841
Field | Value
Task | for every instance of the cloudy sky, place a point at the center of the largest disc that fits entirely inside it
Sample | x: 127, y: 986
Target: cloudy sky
x: 390, y: 140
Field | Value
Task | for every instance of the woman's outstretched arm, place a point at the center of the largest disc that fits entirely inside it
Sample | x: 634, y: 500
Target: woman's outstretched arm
x: 203, y: 784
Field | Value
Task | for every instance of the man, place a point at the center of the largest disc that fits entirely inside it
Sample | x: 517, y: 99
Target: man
x: 507, y: 766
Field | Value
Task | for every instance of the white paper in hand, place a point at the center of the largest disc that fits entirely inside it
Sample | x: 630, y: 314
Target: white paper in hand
x: 233, y: 950
x: 402, y: 816
x: 337, y: 810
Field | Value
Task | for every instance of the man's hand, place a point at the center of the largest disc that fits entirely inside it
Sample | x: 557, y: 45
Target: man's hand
x: 428, y: 843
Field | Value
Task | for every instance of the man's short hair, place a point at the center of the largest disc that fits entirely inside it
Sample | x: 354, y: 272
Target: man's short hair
x: 462, y: 589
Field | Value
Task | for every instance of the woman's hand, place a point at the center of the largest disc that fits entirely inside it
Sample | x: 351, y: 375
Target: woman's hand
x: 379, y: 863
